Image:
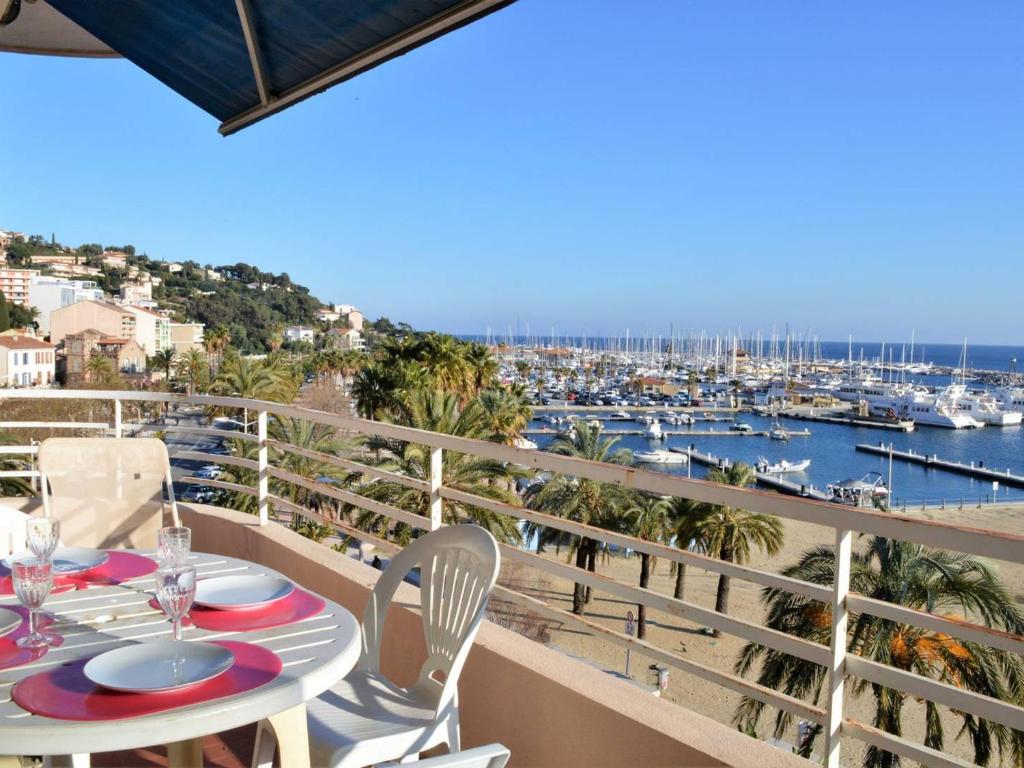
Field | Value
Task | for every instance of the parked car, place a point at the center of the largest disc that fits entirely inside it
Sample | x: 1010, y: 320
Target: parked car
x: 202, y: 494
x: 209, y: 472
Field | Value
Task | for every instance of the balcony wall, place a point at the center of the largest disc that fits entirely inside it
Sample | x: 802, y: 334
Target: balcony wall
x: 550, y: 710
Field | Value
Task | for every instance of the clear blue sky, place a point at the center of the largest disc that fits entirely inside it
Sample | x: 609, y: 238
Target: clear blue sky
x: 853, y: 167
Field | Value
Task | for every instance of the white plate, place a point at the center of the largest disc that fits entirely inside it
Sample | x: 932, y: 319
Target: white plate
x: 165, y: 665
x: 9, y: 621
x: 68, y: 559
x: 226, y: 592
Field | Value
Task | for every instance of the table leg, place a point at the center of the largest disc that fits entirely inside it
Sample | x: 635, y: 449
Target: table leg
x: 185, y: 754
x: 292, y: 737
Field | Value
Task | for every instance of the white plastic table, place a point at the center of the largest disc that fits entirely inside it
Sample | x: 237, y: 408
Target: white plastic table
x: 315, y: 653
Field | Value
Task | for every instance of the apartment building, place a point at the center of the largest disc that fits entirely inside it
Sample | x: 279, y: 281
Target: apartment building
x: 47, y: 293
x: 346, y: 339
x: 152, y: 330
x: 299, y: 333
x: 25, y: 361
x: 15, y: 283
x: 109, y: 319
x: 186, y: 336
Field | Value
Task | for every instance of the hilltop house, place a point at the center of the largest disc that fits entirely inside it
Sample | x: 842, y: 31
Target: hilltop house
x: 299, y: 333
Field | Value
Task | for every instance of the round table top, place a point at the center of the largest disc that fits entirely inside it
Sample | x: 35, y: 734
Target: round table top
x: 315, y: 653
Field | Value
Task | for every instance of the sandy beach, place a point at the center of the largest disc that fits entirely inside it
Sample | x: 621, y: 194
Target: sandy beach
x: 680, y: 636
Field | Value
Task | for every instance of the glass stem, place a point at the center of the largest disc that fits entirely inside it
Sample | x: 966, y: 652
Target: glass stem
x: 177, y: 629
x: 33, y: 622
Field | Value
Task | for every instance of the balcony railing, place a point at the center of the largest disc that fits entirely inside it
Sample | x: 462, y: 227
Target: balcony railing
x: 845, y: 522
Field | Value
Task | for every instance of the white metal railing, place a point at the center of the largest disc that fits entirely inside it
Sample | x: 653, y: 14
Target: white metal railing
x: 844, y: 521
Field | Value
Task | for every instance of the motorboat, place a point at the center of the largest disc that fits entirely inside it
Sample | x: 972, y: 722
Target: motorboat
x: 525, y: 443
x: 620, y: 416
x: 741, y: 426
x: 869, y: 491
x: 660, y: 456
x: 984, y: 407
x: 654, y: 432
x: 781, y: 467
x: 937, y: 409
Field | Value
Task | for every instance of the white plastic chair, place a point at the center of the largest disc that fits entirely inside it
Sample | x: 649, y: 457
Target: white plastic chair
x: 106, y: 491
x: 12, y: 531
x: 490, y: 756
x: 367, y: 719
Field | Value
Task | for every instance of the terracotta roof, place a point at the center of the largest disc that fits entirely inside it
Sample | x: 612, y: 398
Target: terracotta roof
x: 109, y: 340
x: 24, y: 342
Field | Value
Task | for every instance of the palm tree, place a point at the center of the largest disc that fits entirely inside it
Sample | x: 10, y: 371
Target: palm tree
x: 216, y: 341
x: 581, y: 499
x: 164, y: 360
x: 302, y: 434
x: 439, y: 412
x: 649, y: 518
x: 482, y: 365
x: 729, y: 533
x: 944, y: 583
x: 684, y: 514
x: 195, y: 367
x: 99, y: 369
x: 269, y: 379
x: 506, y: 412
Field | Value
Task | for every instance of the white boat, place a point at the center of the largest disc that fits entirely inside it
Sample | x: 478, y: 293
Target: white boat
x: 660, y: 456
x: 781, y: 467
x: 937, y: 409
x: 654, y: 431
x: 525, y: 443
x: 983, y: 406
x: 620, y: 416
x: 778, y: 432
x: 1009, y: 398
x: 741, y: 427
x: 865, y: 492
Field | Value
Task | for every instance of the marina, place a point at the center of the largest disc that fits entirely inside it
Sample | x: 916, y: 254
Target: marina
x: 768, y: 480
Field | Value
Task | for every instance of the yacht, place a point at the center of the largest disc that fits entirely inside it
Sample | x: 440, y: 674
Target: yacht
x: 1009, y: 398
x: 984, y: 407
x: 620, y: 416
x: 781, y: 467
x: 936, y: 409
x: 660, y: 456
x: 875, y: 391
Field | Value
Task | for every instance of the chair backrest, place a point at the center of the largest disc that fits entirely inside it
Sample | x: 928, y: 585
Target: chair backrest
x: 106, y: 492
x: 458, y: 567
x: 490, y: 756
x: 12, y: 531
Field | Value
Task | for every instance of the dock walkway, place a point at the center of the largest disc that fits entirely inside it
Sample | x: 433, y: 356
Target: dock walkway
x: 670, y: 432
x: 769, y: 481
x: 850, y: 421
x: 976, y: 471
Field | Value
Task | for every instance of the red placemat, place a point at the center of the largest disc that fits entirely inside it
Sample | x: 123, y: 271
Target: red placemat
x: 66, y: 693
x: 296, y: 606
x: 13, y: 656
x: 119, y: 567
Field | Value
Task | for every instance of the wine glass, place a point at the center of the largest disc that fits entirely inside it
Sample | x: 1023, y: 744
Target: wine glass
x: 43, y: 535
x: 33, y: 579
x: 175, y: 590
x: 173, y: 544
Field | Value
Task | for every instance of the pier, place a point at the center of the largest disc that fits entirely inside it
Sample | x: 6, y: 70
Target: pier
x: 850, y: 421
x: 770, y: 481
x: 669, y: 432
x: 976, y: 471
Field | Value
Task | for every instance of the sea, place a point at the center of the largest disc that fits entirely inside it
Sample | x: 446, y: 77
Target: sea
x: 832, y: 451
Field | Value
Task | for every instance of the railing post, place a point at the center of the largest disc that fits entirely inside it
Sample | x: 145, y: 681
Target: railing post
x: 117, y: 417
x: 261, y: 460
x: 435, y: 488
x: 837, y: 672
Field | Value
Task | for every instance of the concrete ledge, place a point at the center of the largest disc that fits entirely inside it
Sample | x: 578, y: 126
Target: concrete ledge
x: 548, y: 709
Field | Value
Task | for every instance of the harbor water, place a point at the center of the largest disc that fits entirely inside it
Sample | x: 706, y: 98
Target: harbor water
x: 831, y: 449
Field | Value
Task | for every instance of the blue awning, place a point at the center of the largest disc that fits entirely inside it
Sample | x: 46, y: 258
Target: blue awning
x: 243, y: 60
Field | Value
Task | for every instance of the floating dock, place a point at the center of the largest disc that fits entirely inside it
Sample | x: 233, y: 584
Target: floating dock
x: 775, y: 482
x: 976, y: 471
x: 851, y: 421
x: 669, y: 432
